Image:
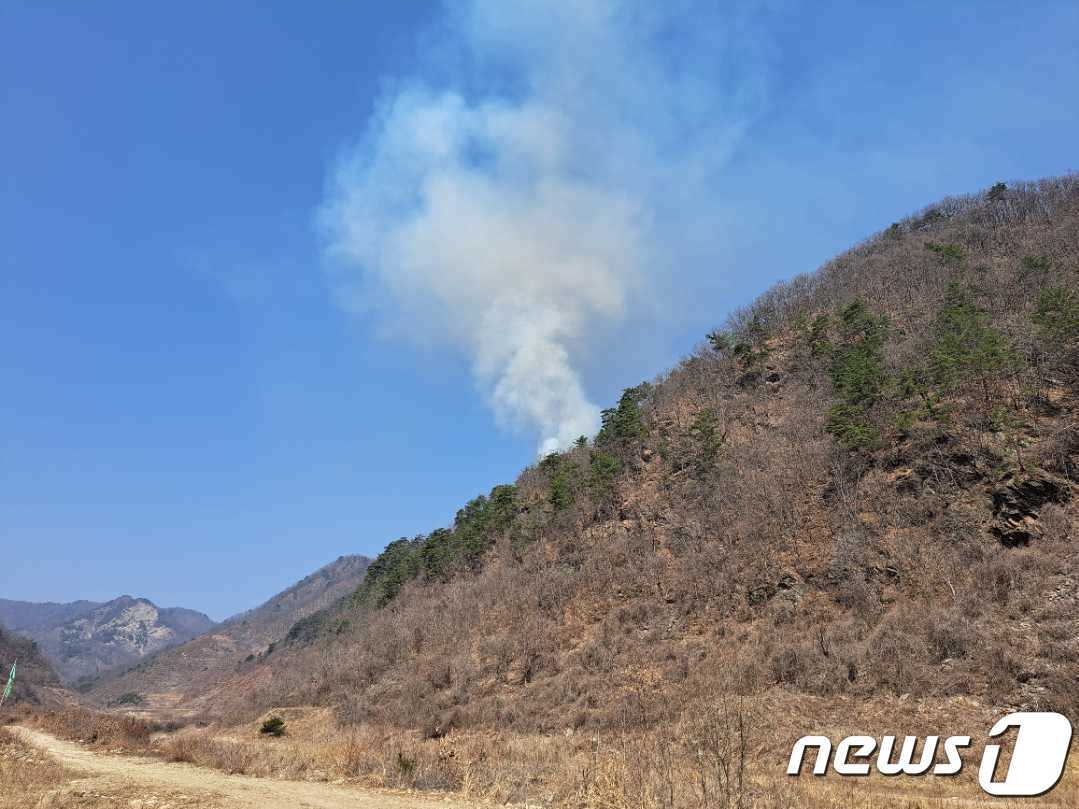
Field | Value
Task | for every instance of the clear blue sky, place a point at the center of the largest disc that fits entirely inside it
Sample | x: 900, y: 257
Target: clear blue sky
x: 188, y: 411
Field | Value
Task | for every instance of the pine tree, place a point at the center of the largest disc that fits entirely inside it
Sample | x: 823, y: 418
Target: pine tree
x: 1057, y: 315
x: 858, y: 374
x: 623, y: 422
x: 967, y: 348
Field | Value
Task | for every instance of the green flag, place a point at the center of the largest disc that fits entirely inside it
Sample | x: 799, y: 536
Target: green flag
x: 10, y: 680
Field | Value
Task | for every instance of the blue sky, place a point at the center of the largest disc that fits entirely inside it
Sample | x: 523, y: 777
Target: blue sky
x: 225, y: 361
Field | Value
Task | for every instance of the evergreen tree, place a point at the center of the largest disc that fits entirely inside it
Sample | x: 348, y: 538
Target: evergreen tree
x: 1057, y: 314
x: 602, y: 474
x: 967, y: 348
x: 623, y: 422
x: 858, y: 375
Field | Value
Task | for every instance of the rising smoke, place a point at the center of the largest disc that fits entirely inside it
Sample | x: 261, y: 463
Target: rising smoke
x: 519, y: 221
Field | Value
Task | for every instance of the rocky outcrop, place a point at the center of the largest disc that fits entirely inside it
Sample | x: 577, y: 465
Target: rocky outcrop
x: 1017, y: 502
x: 192, y: 667
x: 116, y: 633
x: 27, y: 617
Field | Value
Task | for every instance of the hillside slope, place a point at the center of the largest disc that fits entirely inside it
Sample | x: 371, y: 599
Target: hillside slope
x: 862, y: 486
x: 187, y: 671
x: 35, y: 681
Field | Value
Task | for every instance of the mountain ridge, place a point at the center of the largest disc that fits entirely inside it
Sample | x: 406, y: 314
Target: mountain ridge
x: 81, y: 639
x: 28, y: 616
x: 189, y: 669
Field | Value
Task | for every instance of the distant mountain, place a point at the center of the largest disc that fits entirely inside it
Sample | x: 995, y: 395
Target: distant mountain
x: 27, y: 617
x: 187, y: 671
x: 83, y: 638
x: 35, y: 680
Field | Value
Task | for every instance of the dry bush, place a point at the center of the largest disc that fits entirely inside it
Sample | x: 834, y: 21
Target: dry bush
x: 182, y: 748
x: 96, y: 728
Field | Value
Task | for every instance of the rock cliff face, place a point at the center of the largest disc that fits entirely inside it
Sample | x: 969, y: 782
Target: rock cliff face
x: 191, y: 669
x: 82, y: 640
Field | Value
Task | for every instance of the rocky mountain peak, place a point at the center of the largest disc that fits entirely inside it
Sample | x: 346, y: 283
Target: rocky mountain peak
x: 85, y: 641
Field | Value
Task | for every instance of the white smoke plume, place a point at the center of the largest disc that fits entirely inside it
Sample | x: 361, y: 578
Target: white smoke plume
x: 520, y: 220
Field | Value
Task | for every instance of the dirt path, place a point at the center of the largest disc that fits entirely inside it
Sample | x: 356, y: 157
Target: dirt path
x: 212, y: 787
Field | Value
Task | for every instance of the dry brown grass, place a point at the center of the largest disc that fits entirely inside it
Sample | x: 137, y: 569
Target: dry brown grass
x: 111, y: 730
x: 726, y: 753
x: 26, y: 775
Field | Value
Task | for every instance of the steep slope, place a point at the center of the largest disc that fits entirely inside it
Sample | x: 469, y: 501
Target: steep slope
x: 35, y: 682
x: 189, y: 670
x: 862, y: 486
x: 81, y: 643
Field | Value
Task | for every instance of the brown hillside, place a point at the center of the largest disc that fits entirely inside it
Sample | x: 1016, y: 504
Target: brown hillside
x: 35, y: 682
x: 854, y: 507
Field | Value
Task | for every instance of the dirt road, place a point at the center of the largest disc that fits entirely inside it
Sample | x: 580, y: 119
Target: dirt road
x: 203, y: 787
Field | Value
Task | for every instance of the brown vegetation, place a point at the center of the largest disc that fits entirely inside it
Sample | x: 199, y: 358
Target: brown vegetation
x: 95, y: 729
x: 36, y: 683
x: 730, y: 753
x: 851, y: 511
x: 736, y: 542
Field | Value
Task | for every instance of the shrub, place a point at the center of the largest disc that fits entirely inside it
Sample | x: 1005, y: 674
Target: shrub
x: 273, y: 726
x: 183, y: 748
x: 719, y: 341
x: 1056, y: 314
x: 706, y: 429
x: 1033, y: 265
x: 950, y: 637
x: 751, y: 350
x: 113, y: 730
x: 819, y: 344
x: 948, y: 253
x: 858, y: 371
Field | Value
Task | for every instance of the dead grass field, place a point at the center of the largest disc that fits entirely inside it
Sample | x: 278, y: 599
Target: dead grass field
x: 730, y: 754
